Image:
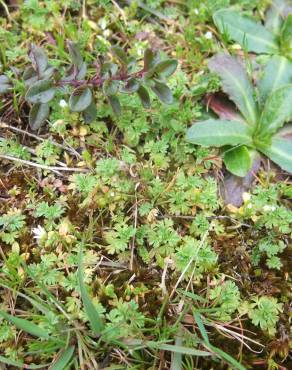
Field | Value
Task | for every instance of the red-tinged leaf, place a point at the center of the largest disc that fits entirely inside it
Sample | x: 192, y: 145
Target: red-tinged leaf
x: 223, y: 107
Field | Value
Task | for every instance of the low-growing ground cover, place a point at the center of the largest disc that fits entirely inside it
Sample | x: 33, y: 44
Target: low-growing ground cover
x: 124, y: 246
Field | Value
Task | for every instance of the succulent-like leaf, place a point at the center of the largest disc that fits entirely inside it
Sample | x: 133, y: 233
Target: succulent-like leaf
x: 144, y: 97
x: 5, y: 85
x: 40, y: 92
x: 151, y: 58
x: 80, y: 99
x: 37, y: 115
x: 280, y: 152
x: 247, y: 32
x: 277, y: 73
x: 131, y: 86
x: 238, y: 160
x: 38, y: 58
x: 120, y: 54
x: 75, y: 54
x: 115, y: 104
x: 29, y: 76
x: 163, y: 92
x: 166, y: 68
x: 110, y: 87
x: 236, y: 84
x: 89, y: 114
x: 219, y: 133
x: 277, y: 111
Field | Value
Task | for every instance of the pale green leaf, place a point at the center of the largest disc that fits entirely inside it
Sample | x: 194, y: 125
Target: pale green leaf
x: 236, y: 84
x: 280, y: 152
x: 238, y: 160
x: 178, y: 349
x: 276, y: 14
x: 247, y: 32
x: 219, y: 133
x: 277, y: 73
x: 277, y: 111
x: 25, y: 325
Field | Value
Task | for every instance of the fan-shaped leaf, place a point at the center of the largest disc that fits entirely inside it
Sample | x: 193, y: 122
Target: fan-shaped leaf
x: 236, y: 84
x: 247, y: 32
x: 219, y: 133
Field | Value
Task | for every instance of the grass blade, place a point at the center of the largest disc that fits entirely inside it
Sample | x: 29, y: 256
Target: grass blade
x: 63, y: 359
x: 93, y: 315
x: 26, y: 326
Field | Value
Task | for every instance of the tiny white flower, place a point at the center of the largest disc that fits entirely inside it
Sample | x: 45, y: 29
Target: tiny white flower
x: 246, y: 197
x: 39, y: 232
x: 63, y: 103
x: 249, y: 206
x: 208, y: 35
x: 196, y: 11
x: 112, y: 194
x: 268, y: 208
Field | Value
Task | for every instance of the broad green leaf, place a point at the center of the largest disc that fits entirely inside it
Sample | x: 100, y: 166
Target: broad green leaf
x: 219, y: 133
x: 115, y: 104
x: 277, y: 73
x: 95, y: 321
x: 63, y: 359
x: 277, y: 111
x: 280, y: 152
x: 5, y: 85
x: 80, y: 99
x: 75, y: 54
x: 110, y: 87
x: 286, y: 35
x: 131, y: 86
x: 89, y: 114
x: 37, y: 115
x: 151, y: 58
x: 38, y: 58
x: 25, y: 325
x: 238, y: 160
x: 275, y: 15
x: 40, y: 92
x: 120, y: 54
x: 247, y: 32
x: 166, y: 68
x: 163, y: 92
x: 144, y: 97
x: 236, y: 84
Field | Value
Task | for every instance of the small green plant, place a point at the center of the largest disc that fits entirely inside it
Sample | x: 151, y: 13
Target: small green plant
x: 43, y: 81
x: 269, y: 248
x: 263, y: 115
x: 275, y: 37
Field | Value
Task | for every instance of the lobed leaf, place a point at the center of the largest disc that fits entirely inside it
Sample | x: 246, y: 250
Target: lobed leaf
x: 238, y: 160
x: 277, y: 111
x: 40, y: 92
x: 247, y: 32
x: 37, y: 115
x: 218, y: 133
x: 80, y: 99
x: 236, y: 84
x: 277, y: 73
x: 280, y: 152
